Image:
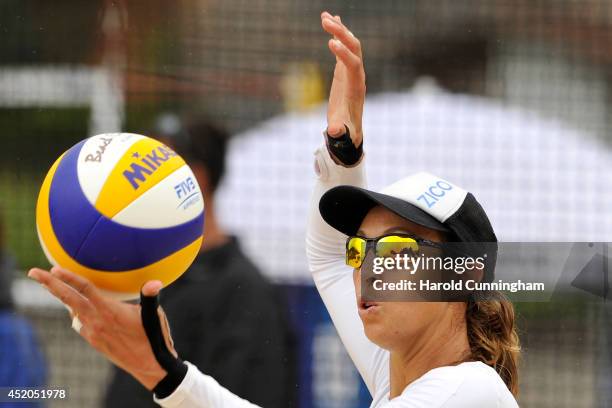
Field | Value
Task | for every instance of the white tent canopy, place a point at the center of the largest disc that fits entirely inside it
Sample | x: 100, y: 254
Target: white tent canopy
x: 537, y: 179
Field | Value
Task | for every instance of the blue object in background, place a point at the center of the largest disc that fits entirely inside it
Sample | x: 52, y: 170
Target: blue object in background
x: 327, y: 377
x: 22, y: 363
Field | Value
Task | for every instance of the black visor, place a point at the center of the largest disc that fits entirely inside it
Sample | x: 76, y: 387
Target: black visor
x: 345, y: 207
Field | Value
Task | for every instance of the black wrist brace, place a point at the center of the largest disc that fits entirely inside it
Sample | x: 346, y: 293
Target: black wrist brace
x: 176, y: 369
x: 344, y: 149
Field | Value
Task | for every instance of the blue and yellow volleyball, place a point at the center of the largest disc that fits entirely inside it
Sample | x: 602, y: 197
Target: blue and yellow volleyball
x: 120, y: 209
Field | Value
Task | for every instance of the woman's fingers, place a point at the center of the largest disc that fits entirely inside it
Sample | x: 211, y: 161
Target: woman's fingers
x: 347, y: 49
x: 166, y: 331
x: 152, y: 288
x: 65, y: 293
x: 347, y: 92
x: 110, y: 326
x: 341, y: 33
x: 348, y: 58
x: 335, y: 128
x: 80, y: 284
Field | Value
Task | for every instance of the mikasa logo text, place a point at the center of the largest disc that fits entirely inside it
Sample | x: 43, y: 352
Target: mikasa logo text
x: 144, y: 166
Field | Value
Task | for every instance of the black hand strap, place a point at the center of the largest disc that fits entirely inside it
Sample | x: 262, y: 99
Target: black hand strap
x: 344, y: 149
x: 176, y: 369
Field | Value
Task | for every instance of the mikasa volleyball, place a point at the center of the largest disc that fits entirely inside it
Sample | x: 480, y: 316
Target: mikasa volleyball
x: 121, y: 209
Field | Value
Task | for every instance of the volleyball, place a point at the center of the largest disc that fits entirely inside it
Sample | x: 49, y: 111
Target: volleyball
x: 120, y: 209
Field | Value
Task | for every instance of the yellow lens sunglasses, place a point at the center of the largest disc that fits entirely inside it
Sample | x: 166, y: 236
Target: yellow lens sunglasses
x: 385, y: 246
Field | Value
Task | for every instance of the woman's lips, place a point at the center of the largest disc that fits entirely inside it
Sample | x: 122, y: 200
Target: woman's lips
x: 367, y: 308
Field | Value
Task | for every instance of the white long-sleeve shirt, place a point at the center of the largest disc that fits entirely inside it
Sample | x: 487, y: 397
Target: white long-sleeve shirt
x: 471, y: 384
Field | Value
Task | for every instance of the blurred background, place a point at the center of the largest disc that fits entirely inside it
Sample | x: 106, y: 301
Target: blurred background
x: 511, y: 99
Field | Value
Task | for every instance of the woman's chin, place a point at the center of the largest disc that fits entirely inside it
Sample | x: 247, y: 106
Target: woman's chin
x: 376, y: 333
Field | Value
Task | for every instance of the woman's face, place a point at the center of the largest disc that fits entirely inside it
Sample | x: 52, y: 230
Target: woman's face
x: 393, y: 325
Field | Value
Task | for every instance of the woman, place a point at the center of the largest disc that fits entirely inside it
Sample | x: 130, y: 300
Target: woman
x: 410, y: 354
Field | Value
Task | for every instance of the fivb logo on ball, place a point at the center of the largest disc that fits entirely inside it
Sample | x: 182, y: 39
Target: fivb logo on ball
x: 109, y: 209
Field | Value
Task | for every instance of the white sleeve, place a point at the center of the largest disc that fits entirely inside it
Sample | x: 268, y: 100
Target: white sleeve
x: 202, y: 391
x: 467, y: 385
x: 334, y: 280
